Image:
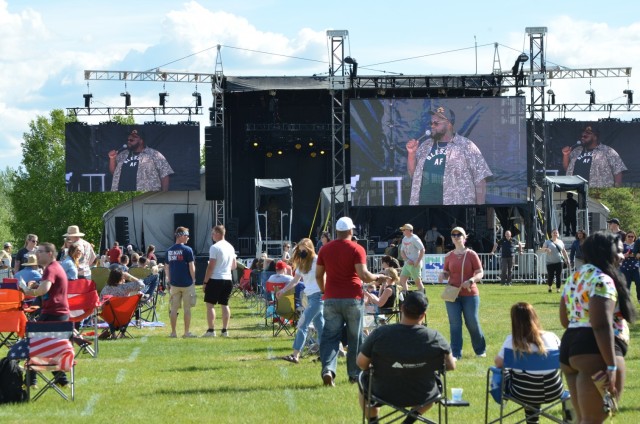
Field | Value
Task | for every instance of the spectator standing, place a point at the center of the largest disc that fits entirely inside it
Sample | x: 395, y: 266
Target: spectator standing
x: 431, y: 240
x: 114, y: 253
x: 569, y: 214
x: 412, y: 253
x: 6, y: 258
x: 88, y: 257
x: 630, y: 264
x: 507, y: 247
x: 575, y: 255
x: 29, y: 248
x: 614, y: 227
x: 181, y: 275
x: 556, y: 257
x: 218, y: 283
x: 340, y: 271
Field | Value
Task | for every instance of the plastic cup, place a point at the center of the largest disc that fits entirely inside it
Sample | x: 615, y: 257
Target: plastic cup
x: 456, y: 394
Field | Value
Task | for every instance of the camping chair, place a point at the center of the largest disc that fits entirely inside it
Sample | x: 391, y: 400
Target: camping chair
x: 83, y: 303
x: 270, y: 290
x: 100, y: 275
x: 285, y: 314
x: 50, y: 349
x: 398, y: 412
x: 12, y: 317
x: 148, y: 302
x: 117, y: 311
x: 525, y: 362
x: 10, y: 283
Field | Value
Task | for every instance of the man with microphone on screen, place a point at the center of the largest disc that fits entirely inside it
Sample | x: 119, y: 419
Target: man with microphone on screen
x: 447, y: 169
x: 136, y: 167
x: 595, y: 162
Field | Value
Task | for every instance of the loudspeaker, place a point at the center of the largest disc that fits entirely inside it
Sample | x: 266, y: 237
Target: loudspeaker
x: 186, y: 220
x: 122, y: 230
x: 365, y: 244
x: 214, y: 171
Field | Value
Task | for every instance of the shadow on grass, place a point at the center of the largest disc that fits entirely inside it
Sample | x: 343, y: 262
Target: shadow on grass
x: 191, y: 368
x: 231, y: 389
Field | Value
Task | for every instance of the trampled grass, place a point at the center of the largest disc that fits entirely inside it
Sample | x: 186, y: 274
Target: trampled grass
x: 152, y: 378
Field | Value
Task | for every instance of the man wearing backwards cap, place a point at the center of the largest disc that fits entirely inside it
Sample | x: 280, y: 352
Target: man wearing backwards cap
x: 344, y: 264
x: 403, y: 356
x: 412, y: 252
x: 138, y: 167
x: 595, y: 162
x: 447, y: 169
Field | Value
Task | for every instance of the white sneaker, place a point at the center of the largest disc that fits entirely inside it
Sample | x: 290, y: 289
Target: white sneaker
x: 209, y: 334
x: 189, y: 336
x: 482, y: 355
x: 225, y: 334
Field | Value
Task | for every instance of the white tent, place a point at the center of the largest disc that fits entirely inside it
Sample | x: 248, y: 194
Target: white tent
x: 151, y: 218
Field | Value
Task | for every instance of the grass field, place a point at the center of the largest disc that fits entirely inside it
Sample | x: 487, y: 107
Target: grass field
x: 152, y: 378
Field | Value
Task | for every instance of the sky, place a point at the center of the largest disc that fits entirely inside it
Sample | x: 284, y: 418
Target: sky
x: 46, y: 46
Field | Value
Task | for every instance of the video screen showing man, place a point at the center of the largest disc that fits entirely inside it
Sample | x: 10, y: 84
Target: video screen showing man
x: 138, y: 167
x: 599, y: 164
x: 446, y: 169
x: 115, y: 157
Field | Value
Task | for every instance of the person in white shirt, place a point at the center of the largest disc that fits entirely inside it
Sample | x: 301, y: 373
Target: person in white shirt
x: 412, y: 253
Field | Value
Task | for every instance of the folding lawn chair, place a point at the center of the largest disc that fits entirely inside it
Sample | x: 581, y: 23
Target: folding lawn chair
x: 100, y: 275
x: 501, y: 393
x: 117, y: 311
x: 50, y: 349
x: 83, y: 305
x: 285, y: 314
x: 270, y: 289
x: 148, y: 302
x: 12, y: 316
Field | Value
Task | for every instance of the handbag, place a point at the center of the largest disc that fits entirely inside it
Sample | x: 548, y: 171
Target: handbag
x: 562, y: 261
x: 450, y: 292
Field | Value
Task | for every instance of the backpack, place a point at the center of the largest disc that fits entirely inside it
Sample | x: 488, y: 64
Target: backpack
x: 12, y: 387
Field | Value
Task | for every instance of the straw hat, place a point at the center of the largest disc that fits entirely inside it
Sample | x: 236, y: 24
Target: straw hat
x: 73, y: 231
x: 31, y: 261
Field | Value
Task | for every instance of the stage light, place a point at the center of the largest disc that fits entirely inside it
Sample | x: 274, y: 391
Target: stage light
x: 382, y: 91
x: 592, y: 96
x: 87, y: 99
x: 519, y: 63
x: 272, y: 93
x: 127, y: 98
x: 553, y: 96
x: 346, y: 146
x: 354, y: 66
x: 298, y: 146
x: 313, y: 154
x: 322, y: 152
x: 520, y: 93
x: 629, y: 94
x: 255, y: 144
x: 198, y: 97
x: 311, y: 144
x: 269, y: 154
x: 163, y: 98
x: 279, y: 152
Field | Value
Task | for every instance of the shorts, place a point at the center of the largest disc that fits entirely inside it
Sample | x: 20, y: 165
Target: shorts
x: 182, y: 296
x: 412, y: 271
x: 218, y: 292
x: 582, y: 341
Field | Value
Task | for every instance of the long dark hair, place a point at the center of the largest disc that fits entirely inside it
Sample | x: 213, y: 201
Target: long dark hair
x: 115, y: 276
x: 602, y: 249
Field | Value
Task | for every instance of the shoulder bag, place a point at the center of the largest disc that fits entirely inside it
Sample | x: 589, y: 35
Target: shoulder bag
x: 450, y: 293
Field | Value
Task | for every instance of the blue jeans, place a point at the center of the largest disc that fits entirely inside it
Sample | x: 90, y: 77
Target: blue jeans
x: 632, y: 275
x: 337, y: 313
x: 468, y: 307
x: 313, y: 312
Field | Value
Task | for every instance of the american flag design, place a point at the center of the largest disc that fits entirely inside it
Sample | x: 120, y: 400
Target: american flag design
x: 50, y: 351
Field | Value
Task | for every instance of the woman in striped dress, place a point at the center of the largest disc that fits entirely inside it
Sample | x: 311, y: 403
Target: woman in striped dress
x: 527, y: 336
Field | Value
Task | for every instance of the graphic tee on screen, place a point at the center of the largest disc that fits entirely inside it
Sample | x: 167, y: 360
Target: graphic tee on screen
x: 433, y: 175
x: 582, y: 166
x: 128, y: 175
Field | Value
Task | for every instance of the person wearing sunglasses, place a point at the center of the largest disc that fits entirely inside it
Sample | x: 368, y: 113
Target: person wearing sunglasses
x: 462, y: 267
x: 629, y: 266
x: 30, y: 244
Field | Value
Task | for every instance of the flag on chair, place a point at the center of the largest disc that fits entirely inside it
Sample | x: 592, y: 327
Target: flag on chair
x: 50, y: 353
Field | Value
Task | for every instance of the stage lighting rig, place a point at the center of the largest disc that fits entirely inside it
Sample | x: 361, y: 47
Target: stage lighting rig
x: 163, y: 98
x: 198, y: 98
x: 87, y: 100
x: 629, y: 94
x: 127, y: 98
x: 553, y: 96
x: 592, y: 96
x: 354, y: 66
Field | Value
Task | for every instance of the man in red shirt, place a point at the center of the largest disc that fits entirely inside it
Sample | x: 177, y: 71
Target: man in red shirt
x: 114, y: 253
x: 340, y: 270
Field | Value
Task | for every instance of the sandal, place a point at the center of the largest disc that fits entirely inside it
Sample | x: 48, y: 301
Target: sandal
x: 291, y: 358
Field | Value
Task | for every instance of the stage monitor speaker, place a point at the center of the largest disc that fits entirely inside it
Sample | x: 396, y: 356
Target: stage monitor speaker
x: 214, y: 171
x: 122, y: 230
x: 186, y: 220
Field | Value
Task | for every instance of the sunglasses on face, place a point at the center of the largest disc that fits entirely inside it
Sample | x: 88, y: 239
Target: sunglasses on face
x: 456, y: 235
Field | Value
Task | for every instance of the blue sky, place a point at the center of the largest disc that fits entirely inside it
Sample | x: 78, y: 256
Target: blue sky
x: 46, y: 46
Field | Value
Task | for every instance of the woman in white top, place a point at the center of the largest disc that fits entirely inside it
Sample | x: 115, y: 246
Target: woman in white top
x: 527, y: 336
x: 304, y: 261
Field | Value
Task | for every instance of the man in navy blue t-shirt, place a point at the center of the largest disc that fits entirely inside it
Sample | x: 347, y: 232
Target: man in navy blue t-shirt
x: 181, y: 275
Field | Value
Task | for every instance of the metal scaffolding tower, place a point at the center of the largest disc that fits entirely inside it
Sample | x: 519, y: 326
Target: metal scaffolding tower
x: 217, y: 120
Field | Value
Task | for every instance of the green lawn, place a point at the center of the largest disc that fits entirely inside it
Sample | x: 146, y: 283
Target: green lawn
x: 240, y: 379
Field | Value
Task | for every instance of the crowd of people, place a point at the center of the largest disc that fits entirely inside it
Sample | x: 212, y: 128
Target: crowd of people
x: 595, y: 307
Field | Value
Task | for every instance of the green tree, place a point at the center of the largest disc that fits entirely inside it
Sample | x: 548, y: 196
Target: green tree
x: 6, y: 210
x: 623, y: 204
x: 39, y: 197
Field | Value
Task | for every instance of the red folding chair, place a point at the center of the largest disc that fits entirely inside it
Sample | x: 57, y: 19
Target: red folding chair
x: 12, y: 316
x: 117, y: 312
x: 83, y: 303
x: 270, y: 297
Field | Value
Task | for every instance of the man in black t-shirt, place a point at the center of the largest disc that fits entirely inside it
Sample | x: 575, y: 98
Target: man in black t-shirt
x: 507, y: 247
x: 404, y: 357
x: 569, y: 215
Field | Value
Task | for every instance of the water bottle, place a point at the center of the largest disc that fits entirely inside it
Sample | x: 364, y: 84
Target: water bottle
x: 568, y: 413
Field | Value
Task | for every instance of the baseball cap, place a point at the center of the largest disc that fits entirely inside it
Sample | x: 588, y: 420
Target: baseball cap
x: 345, y: 224
x: 459, y: 230
x: 613, y: 221
x: 591, y: 129
x: 445, y: 113
x: 407, y: 227
x: 415, y: 303
x: 7, y: 244
x: 281, y: 265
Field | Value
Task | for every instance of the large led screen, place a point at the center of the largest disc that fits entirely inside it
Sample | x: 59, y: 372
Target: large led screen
x: 467, y: 151
x: 115, y: 157
x: 605, y: 153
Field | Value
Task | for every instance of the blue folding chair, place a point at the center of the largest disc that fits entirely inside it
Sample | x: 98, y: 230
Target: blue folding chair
x: 498, y: 389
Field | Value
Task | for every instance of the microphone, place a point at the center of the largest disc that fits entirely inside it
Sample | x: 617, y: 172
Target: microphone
x: 427, y: 134
x: 122, y: 148
x: 578, y: 144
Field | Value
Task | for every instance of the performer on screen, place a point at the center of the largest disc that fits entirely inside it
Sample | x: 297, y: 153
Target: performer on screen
x: 138, y: 167
x: 595, y: 162
x: 447, y: 169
